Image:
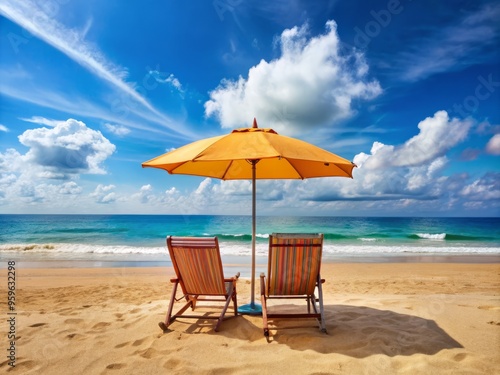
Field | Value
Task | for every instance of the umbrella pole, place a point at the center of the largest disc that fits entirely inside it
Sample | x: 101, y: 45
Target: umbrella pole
x: 254, y: 229
x: 252, y: 307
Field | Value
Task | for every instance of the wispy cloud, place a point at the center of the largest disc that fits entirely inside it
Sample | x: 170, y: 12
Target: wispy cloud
x: 118, y: 130
x: 453, y: 47
x: 170, y: 79
x: 77, y: 106
x: 3, y: 128
x: 43, y: 121
x: 35, y: 19
x: 32, y: 17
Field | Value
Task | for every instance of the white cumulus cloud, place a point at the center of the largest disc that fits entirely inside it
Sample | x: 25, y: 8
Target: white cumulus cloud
x: 485, y: 188
x: 396, y: 177
x: 312, y: 84
x: 70, y: 188
x: 104, y: 194
x: 47, y: 173
x: 438, y: 134
x: 68, y: 147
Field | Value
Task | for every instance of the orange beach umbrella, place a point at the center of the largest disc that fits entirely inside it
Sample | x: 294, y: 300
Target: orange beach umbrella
x: 252, y: 153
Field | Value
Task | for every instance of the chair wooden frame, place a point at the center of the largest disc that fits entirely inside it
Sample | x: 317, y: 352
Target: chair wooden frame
x: 198, y: 267
x: 293, y: 272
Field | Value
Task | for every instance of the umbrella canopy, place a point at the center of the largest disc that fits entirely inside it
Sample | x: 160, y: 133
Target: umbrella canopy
x: 227, y: 157
x: 253, y: 153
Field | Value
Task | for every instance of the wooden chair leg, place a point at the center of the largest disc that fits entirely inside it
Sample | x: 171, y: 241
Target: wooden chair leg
x: 235, y: 303
x: 169, y: 319
x: 226, y: 305
x: 265, y: 325
x: 321, y: 308
x: 264, y: 304
x: 164, y: 325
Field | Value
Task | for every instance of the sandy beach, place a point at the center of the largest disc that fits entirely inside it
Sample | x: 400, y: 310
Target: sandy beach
x: 384, y: 318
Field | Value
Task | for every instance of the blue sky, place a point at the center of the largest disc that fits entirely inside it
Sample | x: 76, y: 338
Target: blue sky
x: 408, y: 90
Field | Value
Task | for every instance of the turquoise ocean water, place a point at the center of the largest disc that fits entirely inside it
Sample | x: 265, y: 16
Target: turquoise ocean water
x: 141, y: 238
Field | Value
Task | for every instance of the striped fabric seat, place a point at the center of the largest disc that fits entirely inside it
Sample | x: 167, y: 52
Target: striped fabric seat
x: 294, y: 264
x: 293, y: 272
x: 198, y: 266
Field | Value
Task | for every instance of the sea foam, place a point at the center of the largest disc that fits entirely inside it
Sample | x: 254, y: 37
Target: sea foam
x: 429, y: 236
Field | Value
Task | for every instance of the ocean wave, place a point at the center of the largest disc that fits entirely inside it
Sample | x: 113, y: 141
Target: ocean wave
x: 448, y: 237
x: 70, y: 248
x: 459, y: 237
x: 430, y: 236
x: 239, y: 236
x: 407, y: 249
x: 264, y: 236
x: 345, y: 238
x: 234, y: 248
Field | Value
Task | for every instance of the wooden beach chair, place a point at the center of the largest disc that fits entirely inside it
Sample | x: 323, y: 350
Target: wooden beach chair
x: 293, y: 272
x: 198, y: 266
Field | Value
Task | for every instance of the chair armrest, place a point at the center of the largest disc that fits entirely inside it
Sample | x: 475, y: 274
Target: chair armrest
x: 174, y: 280
x: 234, y: 278
x: 262, y: 284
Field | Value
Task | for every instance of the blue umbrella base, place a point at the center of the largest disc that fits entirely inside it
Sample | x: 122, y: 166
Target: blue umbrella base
x: 250, y: 309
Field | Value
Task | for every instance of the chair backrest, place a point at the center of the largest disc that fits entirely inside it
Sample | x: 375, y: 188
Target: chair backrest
x: 197, y: 264
x: 294, y: 263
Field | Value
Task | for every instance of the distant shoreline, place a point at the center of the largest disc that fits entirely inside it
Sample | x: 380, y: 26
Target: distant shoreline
x: 240, y: 264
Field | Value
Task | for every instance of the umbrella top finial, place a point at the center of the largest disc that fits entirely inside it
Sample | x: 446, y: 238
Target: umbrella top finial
x: 255, y: 126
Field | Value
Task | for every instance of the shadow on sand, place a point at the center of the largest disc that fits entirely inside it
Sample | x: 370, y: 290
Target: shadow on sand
x: 355, y: 331
x: 359, y: 331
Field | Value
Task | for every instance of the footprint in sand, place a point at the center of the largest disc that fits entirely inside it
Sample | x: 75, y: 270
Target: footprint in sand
x: 122, y: 345
x: 149, y: 353
x: 38, y: 325
x: 460, y: 357
x: 115, y: 366
x: 119, y: 317
x: 172, y: 363
x: 138, y: 342
x: 75, y: 336
x: 101, y: 325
